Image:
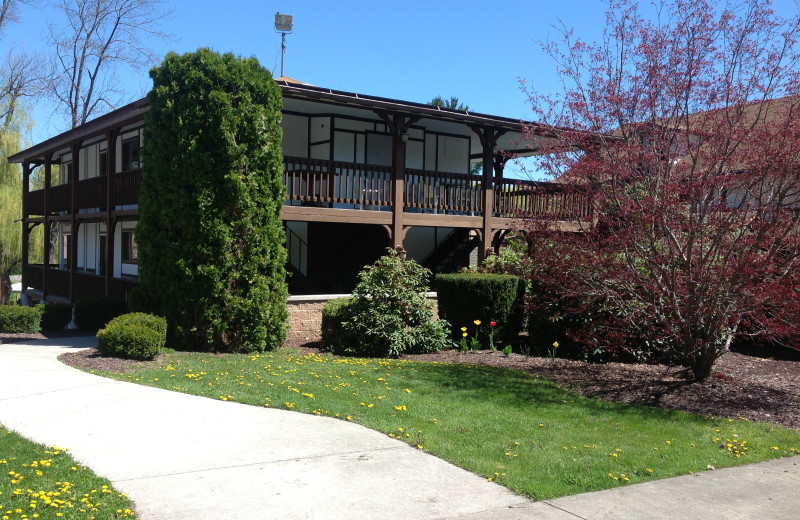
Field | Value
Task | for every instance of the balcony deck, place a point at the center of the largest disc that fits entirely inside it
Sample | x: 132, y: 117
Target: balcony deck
x: 320, y: 190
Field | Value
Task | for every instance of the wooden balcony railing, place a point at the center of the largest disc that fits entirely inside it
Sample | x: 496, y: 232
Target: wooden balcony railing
x: 342, y: 184
x: 446, y: 192
x: 89, y: 193
x: 87, y: 285
x: 541, y: 199
x: 327, y: 183
x: 125, y: 187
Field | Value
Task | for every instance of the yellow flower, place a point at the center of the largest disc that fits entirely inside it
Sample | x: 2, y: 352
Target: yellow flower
x: 477, y: 322
x: 464, y: 334
x: 463, y: 329
x: 555, y: 344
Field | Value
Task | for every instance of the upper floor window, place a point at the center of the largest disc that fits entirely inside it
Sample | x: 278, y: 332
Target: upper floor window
x: 65, y: 172
x: 102, y: 162
x: 130, y: 154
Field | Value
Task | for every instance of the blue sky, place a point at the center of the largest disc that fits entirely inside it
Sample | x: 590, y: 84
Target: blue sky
x: 411, y: 50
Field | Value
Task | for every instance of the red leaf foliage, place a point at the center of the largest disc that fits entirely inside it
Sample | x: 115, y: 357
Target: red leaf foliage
x: 685, y: 129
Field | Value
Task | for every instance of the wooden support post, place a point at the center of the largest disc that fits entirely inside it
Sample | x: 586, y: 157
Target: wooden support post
x: 488, y: 138
x: 111, y: 165
x: 398, y: 181
x: 398, y: 125
x: 73, y: 261
x: 48, y: 170
x: 26, y: 232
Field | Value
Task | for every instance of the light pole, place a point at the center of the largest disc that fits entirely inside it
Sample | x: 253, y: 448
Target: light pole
x: 283, y: 25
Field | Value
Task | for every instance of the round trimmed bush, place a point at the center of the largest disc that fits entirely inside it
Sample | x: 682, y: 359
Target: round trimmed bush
x: 134, y: 336
x: 56, y: 316
x: 19, y: 320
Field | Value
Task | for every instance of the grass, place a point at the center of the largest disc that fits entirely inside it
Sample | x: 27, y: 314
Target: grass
x: 46, y: 483
x: 523, y: 432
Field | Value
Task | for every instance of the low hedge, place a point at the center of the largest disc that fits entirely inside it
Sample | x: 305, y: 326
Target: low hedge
x: 333, y: 313
x: 56, y: 316
x: 134, y: 336
x: 466, y: 297
x: 95, y: 313
x: 20, y: 320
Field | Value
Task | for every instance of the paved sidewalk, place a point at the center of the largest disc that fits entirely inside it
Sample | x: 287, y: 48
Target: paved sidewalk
x: 185, y: 457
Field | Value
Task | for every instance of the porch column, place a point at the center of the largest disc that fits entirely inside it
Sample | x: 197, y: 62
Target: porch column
x: 26, y: 188
x: 488, y: 137
x: 398, y: 125
x: 398, y: 186
x: 111, y: 163
x: 48, y: 169
x: 73, y: 261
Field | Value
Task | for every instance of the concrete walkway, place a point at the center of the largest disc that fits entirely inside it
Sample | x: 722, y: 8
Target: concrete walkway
x: 184, y: 457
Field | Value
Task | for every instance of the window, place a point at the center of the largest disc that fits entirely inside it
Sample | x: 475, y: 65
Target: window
x: 130, y: 154
x: 101, y: 255
x: 65, y: 172
x: 102, y: 163
x: 66, y: 251
x: 130, y: 251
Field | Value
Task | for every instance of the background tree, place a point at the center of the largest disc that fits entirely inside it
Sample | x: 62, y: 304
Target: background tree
x: 452, y: 104
x: 691, y: 138
x: 98, y: 36
x: 19, y: 79
x: 210, y: 236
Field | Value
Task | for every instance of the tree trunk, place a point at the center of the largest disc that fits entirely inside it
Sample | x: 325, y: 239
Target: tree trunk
x: 5, y: 289
x: 703, y: 362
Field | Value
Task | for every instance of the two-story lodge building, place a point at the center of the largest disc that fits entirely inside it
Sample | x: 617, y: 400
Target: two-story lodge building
x: 362, y: 173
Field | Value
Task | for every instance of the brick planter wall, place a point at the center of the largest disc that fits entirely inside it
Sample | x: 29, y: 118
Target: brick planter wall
x: 305, y: 316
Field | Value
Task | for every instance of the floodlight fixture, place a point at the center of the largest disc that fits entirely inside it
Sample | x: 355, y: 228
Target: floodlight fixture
x: 283, y: 25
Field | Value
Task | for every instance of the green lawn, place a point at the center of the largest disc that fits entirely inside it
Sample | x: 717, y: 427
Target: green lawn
x: 46, y: 483
x: 508, y: 426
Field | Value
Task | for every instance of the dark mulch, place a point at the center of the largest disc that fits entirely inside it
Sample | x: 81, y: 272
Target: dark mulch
x: 759, y: 385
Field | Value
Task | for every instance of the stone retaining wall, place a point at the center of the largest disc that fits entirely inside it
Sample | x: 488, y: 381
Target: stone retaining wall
x: 305, y: 316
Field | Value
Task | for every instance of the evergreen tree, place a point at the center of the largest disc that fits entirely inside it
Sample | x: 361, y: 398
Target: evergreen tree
x: 210, y: 234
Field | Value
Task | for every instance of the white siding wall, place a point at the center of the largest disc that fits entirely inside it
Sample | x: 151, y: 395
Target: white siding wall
x: 295, y: 135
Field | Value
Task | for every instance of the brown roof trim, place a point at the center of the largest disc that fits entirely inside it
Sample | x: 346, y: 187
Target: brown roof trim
x: 338, y: 97
x: 96, y: 127
x: 291, y: 89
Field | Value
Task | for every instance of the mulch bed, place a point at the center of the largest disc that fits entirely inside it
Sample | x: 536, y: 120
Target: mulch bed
x: 754, y: 383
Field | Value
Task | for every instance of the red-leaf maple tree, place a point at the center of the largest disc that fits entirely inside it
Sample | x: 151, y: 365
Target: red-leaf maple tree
x: 684, y: 124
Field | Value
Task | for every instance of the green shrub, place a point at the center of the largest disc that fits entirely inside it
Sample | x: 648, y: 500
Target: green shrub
x: 390, y: 313
x: 135, y: 336
x: 20, y: 320
x: 215, y: 268
x: 95, y: 313
x: 333, y: 313
x: 466, y: 297
x: 55, y: 316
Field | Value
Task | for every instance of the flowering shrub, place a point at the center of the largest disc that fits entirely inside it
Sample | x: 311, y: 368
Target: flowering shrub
x: 390, y: 312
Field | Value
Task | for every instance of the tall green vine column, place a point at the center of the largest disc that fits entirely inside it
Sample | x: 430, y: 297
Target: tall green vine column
x: 211, y: 242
